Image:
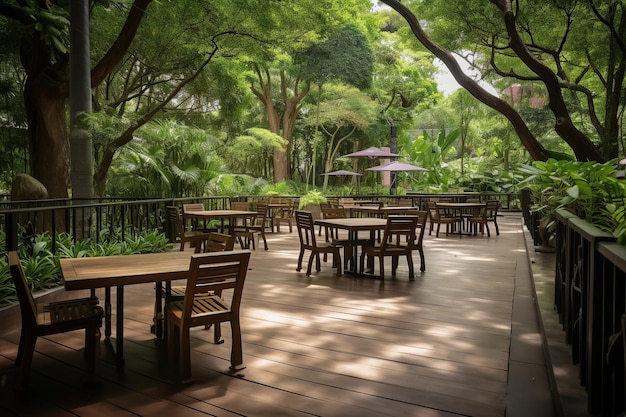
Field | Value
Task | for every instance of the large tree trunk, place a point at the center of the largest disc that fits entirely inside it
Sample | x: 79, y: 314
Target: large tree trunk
x: 291, y: 102
x: 45, y: 97
x: 45, y: 100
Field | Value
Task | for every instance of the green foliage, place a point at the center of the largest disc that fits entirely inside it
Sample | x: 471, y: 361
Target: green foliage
x: 166, y: 159
x: 588, y: 189
x: 42, y: 267
x: 344, y: 57
x: 313, y: 197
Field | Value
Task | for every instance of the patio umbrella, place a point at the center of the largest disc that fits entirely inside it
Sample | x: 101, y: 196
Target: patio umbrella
x: 371, y: 153
x: 342, y: 172
x: 396, y: 166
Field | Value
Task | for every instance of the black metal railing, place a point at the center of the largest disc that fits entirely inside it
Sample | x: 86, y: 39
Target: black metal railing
x: 88, y: 218
x: 590, y: 297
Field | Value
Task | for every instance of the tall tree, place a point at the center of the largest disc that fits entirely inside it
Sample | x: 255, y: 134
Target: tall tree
x: 284, y: 74
x: 516, y: 35
x: 44, y: 56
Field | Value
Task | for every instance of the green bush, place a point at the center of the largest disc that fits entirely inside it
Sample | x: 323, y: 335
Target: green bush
x: 42, y: 267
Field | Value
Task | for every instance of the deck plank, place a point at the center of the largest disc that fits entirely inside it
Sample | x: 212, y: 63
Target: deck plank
x: 320, y: 345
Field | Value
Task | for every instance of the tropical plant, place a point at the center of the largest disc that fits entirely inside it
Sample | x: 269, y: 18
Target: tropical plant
x: 313, y: 197
x: 588, y: 189
x: 42, y: 267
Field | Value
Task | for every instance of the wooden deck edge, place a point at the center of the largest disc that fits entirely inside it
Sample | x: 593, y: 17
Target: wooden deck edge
x: 547, y: 381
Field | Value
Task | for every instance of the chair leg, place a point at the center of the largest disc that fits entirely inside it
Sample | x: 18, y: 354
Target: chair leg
x: 422, y: 260
x: 184, y: 356
x: 21, y: 346
x: 318, y: 263
x: 310, y: 264
x: 381, y: 266
x: 300, y: 257
x: 91, y: 339
x: 217, y: 334
x: 409, y: 261
x: 337, y: 260
x: 394, y: 265
x: 27, y: 360
x: 487, y: 227
x: 264, y: 240
x: 236, y: 352
x: 172, y: 345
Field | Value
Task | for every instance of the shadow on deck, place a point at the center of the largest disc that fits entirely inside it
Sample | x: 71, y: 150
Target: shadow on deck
x: 460, y: 340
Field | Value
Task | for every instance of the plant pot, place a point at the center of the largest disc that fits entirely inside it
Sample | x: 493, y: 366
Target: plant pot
x: 315, y: 210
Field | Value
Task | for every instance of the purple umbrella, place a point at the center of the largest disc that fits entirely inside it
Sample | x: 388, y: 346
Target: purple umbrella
x: 371, y: 153
x: 342, y: 172
x: 396, y: 166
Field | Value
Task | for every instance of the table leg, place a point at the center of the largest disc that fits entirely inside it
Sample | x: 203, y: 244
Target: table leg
x: 107, y: 312
x: 118, y: 348
x: 119, y: 326
x: 157, y: 320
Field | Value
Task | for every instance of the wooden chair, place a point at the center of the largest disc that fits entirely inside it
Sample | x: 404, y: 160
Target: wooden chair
x: 422, y: 216
x: 442, y: 216
x: 210, y: 273
x: 398, y: 239
x: 257, y: 224
x: 332, y: 213
x: 58, y: 317
x: 487, y: 214
x: 216, y: 242
x: 195, y: 224
x: 478, y: 220
x: 287, y: 215
x: 492, y: 207
x: 195, y: 237
x: 306, y: 233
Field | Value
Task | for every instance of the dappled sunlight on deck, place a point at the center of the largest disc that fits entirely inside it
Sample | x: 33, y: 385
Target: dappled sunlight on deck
x: 335, y: 346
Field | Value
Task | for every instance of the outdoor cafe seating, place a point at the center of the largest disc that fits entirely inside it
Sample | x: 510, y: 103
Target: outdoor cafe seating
x: 210, y: 273
x: 196, y: 238
x: 52, y: 318
x: 398, y: 240
x: 308, y: 242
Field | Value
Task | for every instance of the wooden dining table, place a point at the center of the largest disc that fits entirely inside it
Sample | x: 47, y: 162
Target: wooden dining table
x: 354, y: 226
x: 384, y: 211
x: 118, y: 271
x: 459, y: 209
x: 231, y: 215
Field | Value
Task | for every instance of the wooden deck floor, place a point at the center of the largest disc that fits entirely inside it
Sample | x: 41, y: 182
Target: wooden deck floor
x: 315, y: 346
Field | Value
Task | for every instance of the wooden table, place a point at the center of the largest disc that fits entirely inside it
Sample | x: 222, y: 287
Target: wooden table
x: 220, y: 215
x: 276, y: 208
x: 383, y: 211
x: 118, y: 271
x: 354, y: 226
x: 460, y: 208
